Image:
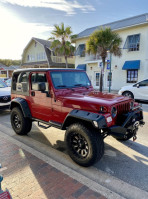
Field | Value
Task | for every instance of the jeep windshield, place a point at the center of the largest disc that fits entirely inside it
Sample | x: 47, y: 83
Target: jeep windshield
x: 69, y: 79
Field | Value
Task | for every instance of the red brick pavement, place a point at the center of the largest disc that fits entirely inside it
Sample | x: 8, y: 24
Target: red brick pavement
x: 28, y: 177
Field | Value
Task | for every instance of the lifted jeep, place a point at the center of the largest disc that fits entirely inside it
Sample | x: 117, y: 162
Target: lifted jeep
x: 65, y: 99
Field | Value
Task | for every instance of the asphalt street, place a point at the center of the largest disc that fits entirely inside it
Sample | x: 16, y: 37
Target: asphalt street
x: 123, y: 168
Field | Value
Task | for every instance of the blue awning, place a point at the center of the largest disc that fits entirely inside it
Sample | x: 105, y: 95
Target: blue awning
x: 81, y: 67
x: 131, y: 65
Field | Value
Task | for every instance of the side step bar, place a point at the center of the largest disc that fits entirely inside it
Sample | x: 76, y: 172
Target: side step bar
x: 46, y: 125
x: 42, y: 126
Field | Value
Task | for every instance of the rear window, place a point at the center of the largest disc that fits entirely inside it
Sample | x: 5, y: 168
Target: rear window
x: 20, y: 83
x: 14, y: 81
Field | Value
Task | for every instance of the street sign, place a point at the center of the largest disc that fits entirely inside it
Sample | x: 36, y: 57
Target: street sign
x: 100, y: 64
x: 108, y: 64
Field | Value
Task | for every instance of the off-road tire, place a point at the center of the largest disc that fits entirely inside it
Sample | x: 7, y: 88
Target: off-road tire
x: 128, y: 94
x: 20, y: 124
x: 92, y: 141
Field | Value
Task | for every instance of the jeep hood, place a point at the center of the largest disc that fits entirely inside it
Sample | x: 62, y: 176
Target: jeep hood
x: 91, y: 100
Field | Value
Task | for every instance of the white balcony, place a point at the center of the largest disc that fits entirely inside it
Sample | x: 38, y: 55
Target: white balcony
x: 58, y: 59
x: 90, y: 58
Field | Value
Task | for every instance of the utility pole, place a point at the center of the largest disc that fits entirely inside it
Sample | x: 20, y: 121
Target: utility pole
x: 110, y: 73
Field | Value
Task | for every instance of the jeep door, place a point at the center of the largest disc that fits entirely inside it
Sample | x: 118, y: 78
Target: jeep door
x: 39, y: 96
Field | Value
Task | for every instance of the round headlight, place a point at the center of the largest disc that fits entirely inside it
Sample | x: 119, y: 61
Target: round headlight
x: 114, y: 112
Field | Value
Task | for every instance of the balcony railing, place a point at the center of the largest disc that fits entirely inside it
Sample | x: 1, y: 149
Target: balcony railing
x: 58, y: 59
x: 91, y: 58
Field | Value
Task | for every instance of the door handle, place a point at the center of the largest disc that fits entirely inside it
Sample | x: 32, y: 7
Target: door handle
x: 33, y: 93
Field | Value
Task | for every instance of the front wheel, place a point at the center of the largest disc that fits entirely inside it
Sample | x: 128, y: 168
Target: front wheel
x: 20, y: 124
x: 84, y: 146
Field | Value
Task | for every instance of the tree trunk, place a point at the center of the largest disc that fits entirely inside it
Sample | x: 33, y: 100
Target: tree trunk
x: 101, y: 75
x: 66, y: 62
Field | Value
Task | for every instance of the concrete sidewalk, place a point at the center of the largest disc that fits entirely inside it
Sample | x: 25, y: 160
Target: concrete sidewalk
x: 28, y: 177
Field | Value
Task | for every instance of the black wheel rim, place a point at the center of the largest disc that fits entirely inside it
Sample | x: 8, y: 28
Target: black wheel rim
x: 17, y: 121
x: 79, y: 145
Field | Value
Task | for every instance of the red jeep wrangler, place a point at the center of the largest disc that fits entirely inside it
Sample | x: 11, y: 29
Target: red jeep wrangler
x: 65, y: 99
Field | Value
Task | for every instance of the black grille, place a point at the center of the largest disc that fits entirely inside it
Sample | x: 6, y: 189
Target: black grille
x: 5, y: 99
x: 123, y: 108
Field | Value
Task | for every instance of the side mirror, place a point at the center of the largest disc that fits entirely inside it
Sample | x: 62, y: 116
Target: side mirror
x: 42, y: 86
x: 137, y: 85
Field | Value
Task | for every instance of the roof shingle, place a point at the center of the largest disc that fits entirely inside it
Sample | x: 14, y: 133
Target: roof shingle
x: 43, y: 42
x: 140, y: 19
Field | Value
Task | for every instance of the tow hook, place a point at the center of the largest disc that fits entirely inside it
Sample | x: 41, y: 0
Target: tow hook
x: 134, y: 138
x: 135, y: 134
x: 135, y: 129
x: 142, y: 123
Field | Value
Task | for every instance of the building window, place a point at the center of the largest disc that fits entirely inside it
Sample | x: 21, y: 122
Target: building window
x: 44, y: 55
x: 132, y: 76
x: 35, y: 44
x: 81, y: 50
x: 97, y: 79
x: 41, y: 56
x: 132, y: 42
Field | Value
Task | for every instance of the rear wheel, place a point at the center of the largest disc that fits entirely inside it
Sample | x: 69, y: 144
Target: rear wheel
x: 84, y: 146
x: 20, y: 124
x: 128, y: 94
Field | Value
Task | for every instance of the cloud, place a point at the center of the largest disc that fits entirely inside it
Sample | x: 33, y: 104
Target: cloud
x: 69, y: 7
x: 15, y: 34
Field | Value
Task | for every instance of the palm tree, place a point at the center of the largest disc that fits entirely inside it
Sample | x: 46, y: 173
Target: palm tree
x: 61, y: 42
x: 100, y: 42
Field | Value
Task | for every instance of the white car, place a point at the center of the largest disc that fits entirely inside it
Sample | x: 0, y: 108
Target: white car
x: 5, y: 95
x: 8, y: 82
x: 4, y: 79
x: 138, y: 91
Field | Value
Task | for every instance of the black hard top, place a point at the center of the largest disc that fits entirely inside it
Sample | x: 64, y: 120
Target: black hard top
x: 45, y: 69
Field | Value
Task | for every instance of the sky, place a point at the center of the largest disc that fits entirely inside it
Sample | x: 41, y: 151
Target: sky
x: 20, y: 20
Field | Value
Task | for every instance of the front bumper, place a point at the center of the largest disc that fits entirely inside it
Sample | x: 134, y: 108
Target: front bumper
x: 5, y: 105
x: 128, y: 124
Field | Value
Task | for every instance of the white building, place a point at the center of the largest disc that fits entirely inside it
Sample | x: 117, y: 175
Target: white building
x: 131, y: 67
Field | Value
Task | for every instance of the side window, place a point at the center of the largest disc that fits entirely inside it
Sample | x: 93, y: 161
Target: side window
x: 38, y: 78
x: 143, y: 83
x: 23, y: 78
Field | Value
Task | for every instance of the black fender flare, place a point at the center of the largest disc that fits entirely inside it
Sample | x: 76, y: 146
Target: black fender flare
x: 86, y: 116
x: 22, y: 103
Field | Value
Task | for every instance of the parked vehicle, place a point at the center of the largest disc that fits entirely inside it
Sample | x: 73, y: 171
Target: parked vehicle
x: 65, y: 99
x: 8, y: 82
x: 5, y: 95
x: 4, y: 78
x: 138, y: 91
